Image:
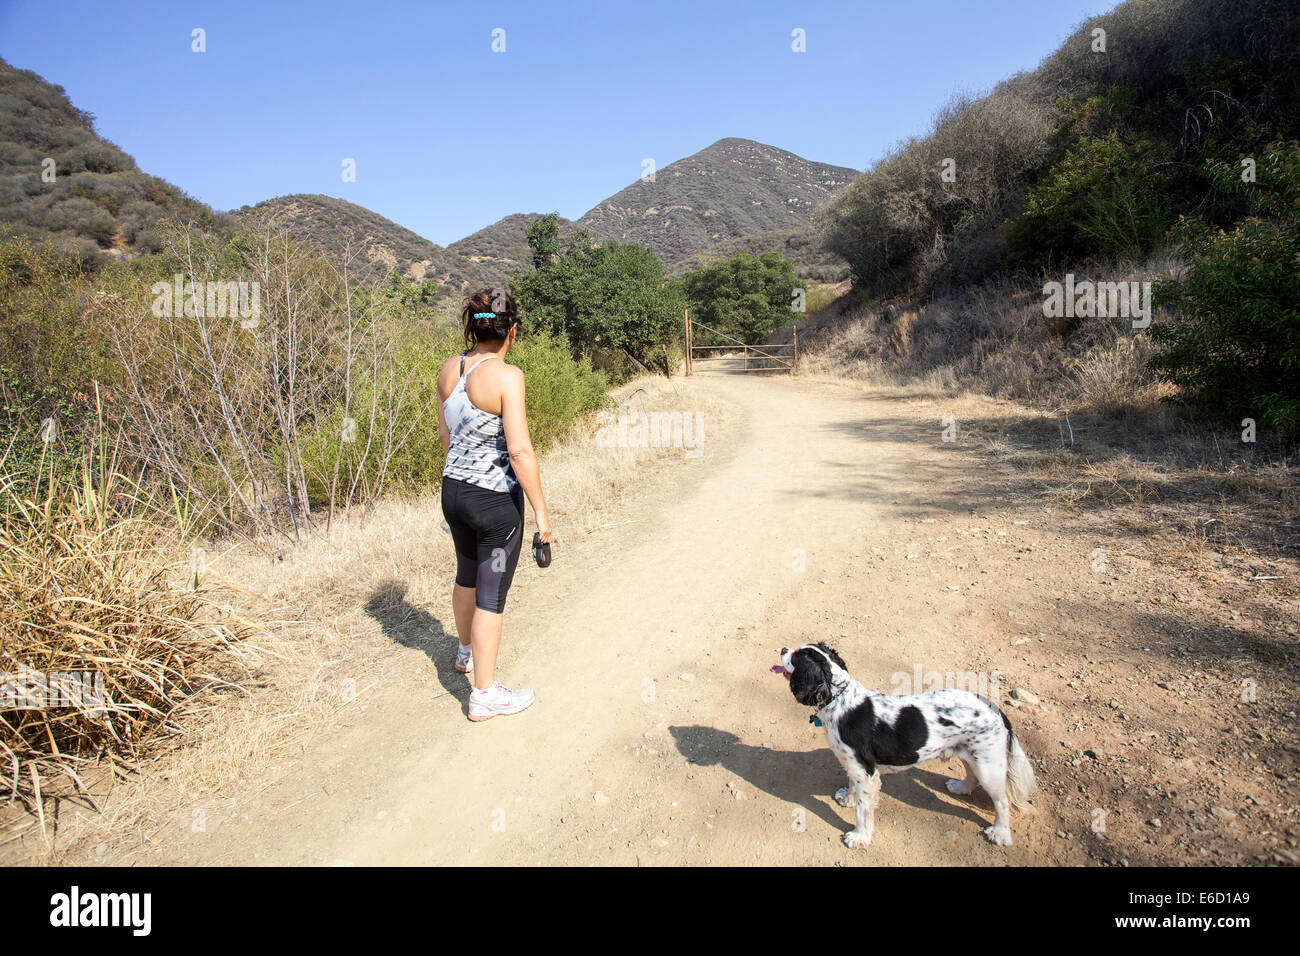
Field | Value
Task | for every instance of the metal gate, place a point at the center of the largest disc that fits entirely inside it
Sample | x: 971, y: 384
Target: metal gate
x: 740, y: 356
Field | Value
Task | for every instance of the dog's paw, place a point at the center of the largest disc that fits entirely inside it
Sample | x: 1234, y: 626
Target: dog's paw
x: 856, y: 839
x: 844, y: 797
x: 999, y: 835
x: 961, y: 788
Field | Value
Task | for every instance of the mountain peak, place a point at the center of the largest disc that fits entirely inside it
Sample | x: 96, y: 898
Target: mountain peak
x: 734, y: 187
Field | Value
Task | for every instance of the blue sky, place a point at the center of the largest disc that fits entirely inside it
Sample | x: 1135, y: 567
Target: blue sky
x: 448, y: 136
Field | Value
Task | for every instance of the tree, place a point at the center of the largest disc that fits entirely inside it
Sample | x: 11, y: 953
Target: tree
x: 748, y: 297
x: 544, y: 238
x: 599, y: 295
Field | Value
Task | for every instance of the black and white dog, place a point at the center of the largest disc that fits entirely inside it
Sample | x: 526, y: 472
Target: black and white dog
x: 873, y: 733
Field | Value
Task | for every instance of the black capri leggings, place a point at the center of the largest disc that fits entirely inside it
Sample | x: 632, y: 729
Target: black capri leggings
x: 488, y: 529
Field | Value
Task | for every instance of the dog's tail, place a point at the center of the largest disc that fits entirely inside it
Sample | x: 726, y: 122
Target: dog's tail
x: 1020, y: 773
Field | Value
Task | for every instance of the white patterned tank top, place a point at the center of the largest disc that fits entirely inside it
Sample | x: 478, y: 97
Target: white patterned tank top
x: 478, y: 453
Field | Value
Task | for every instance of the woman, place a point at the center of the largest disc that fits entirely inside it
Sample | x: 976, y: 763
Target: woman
x: 490, y: 467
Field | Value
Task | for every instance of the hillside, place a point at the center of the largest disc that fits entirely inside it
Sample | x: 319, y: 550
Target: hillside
x: 801, y: 246
x: 378, y: 244
x: 99, y: 202
x: 1094, y: 154
x: 1171, y: 157
x: 734, y: 196
x: 734, y: 188
x: 502, y: 248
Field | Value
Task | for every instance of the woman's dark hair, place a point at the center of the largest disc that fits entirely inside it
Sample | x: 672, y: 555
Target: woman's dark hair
x: 493, y: 328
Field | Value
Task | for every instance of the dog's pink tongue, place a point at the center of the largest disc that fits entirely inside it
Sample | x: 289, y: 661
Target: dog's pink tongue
x: 779, y: 669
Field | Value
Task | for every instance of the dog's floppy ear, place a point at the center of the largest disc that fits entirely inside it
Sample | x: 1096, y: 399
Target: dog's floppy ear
x: 811, y: 682
x: 833, y: 654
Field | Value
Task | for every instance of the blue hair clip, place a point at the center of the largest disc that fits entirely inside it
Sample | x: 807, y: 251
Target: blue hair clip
x: 485, y: 315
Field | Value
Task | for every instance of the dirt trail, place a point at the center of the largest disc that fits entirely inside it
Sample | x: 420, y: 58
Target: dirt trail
x: 659, y: 736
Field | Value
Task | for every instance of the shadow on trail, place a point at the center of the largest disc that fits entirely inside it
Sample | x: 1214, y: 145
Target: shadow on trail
x: 1201, y: 483
x: 416, y: 628
x: 799, y: 777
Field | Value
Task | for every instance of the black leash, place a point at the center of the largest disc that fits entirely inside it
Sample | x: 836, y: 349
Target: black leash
x: 541, y: 552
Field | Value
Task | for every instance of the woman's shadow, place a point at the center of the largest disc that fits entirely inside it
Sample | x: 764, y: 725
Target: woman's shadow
x: 416, y: 628
x: 797, y: 776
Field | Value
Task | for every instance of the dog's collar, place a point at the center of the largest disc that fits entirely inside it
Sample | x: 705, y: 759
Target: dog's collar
x: 838, y: 693
x: 814, y: 719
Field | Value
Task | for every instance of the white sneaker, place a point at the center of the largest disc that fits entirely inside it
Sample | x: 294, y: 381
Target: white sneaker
x: 498, y: 699
x: 464, y: 658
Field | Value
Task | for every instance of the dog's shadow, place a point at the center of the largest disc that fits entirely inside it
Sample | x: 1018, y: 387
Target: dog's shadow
x: 416, y: 628
x: 796, y: 776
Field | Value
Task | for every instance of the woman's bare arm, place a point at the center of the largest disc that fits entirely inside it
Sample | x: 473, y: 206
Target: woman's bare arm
x: 520, y: 446
x: 444, y: 390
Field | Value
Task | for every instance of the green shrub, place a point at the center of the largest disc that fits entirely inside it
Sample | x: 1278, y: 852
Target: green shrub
x: 53, y: 342
x: 1234, y: 348
x: 80, y: 215
x: 559, y: 389
x: 1103, y: 196
x: 401, y: 396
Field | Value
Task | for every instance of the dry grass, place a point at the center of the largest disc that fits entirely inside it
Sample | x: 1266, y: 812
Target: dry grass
x: 822, y: 294
x: 992, y: 338
x: 324, y: 647
x: 102, y: 641
x: 1111, y: 378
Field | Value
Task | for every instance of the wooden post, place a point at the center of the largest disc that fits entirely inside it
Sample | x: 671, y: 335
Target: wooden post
x: 668, y: 366
x: 794, y: 365
x: 689, y: 369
